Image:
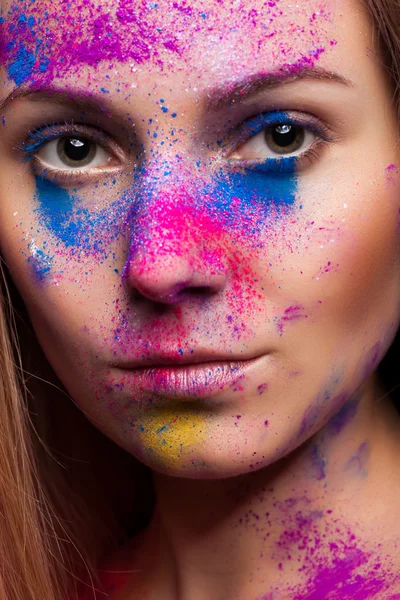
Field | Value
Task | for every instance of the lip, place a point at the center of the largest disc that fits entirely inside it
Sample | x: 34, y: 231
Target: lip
x: 169, y: 359
x: 179, y: 378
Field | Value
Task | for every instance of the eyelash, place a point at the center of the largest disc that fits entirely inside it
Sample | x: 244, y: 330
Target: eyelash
x: 36, y: 139
x: 263, y: 121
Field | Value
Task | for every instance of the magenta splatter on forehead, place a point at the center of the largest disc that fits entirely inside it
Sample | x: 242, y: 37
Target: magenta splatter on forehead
x: 43, y: 40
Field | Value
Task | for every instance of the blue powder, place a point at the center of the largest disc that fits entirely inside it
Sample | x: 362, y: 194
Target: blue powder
x: 21, y: 68
x: 259, y: 184
x: 236, y: 197
x: 343, y: 416
x: 241, y: 193
x: 23, y: 62
x: 61, y: 214
x: 74, y: 225
x: 318, y: 463
x: 55, y: 204
x: 264, y: 184
x: 41, y: 264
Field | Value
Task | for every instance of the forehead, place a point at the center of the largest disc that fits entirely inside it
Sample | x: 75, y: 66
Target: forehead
x: 202, y: 40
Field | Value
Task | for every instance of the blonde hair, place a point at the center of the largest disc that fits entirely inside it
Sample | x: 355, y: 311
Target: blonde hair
x: 66, y: 492
x: 25, y: 567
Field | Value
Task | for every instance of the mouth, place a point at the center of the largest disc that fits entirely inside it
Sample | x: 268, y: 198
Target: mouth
x: 187, y: 377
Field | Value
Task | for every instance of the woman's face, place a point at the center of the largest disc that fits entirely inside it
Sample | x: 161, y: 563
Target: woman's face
x: 200, y: 209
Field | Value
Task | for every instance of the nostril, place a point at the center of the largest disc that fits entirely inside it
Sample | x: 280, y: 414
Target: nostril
x: 171, y: 295
x: 171, y: 278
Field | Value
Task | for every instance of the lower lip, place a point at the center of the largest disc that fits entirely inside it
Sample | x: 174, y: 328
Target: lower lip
x: 190, y: 381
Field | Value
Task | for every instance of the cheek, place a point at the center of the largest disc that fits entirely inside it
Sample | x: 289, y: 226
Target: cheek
x: 342, y: 249
x: 312, y: 266
x: 366, y: 262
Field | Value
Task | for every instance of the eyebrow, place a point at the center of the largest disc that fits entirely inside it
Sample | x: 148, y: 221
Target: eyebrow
x: 217, y: 98
x: 59, y: 96
x: 238, y: 91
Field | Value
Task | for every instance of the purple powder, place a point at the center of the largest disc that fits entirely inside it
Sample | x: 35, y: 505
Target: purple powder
x: 44, y: 41
x: 357, y: 464
x: 318, y: 463
x: 342, y: 580
x: 343, y: 416
x: 292, y: 313
x: 262, y: 388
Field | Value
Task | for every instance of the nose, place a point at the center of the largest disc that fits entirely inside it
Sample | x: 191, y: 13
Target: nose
x: 170, y: 279
x: 175, y: 253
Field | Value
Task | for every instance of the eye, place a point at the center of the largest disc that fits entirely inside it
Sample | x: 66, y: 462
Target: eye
x: 276, y: 141
x: 285, y: 139
x: 73, y: 152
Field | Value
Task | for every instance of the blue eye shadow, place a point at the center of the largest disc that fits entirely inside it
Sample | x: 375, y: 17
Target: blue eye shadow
x: 238, y: 193
x: 55, y: 202
x: 56, y: 210
x: 258, y: 123
x: 63, y: 214
x: 240, y: 198
x: 265, y: 184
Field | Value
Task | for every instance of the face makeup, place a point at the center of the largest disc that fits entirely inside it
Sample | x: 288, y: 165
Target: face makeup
x: 181, y: 215
x: 201, y: 215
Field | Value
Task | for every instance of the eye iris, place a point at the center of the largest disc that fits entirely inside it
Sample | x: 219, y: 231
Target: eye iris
x: 285, y: 138
x: 76, y: 151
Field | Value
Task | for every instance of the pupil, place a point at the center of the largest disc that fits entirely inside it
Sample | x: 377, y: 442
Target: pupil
x: 77, y: 149
x: 284, y: 135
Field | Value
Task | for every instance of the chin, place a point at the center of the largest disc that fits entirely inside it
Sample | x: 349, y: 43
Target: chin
x: 207, y: 463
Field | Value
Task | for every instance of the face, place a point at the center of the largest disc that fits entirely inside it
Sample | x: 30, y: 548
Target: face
x: 199, y: 208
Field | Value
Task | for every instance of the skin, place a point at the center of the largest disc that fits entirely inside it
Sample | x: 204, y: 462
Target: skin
x: 266, y: 486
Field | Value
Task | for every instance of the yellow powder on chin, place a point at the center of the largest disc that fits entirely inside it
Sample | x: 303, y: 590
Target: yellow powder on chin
x: 172, y: 436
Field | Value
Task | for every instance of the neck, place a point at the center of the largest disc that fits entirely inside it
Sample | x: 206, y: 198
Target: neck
x: 300, y: 526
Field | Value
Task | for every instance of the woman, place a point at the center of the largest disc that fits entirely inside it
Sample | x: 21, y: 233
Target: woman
x: 199, y: 219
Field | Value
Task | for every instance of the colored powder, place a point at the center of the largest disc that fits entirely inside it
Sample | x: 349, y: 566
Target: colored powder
x: 66, y: 218
x: 171, y: 437
x: 372, y: 360
x: 313, y: 412
x: 357, y: 464
x: 292, y: 313
x: 23, y: 49
x: 233, y: 203
x: 40, y: 261
x: 341, y: 580
x: 55, y: 210
x: 262, y: 388
x: 318, y: 463
x: 328, y: 554
x: 229, y: 202
x: 55, y: 39
x: 343, y: 416
x: 257, y: 185
x: 21, y: 68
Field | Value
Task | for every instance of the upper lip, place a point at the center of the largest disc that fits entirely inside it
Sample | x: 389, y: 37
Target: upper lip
x: 169, y: 360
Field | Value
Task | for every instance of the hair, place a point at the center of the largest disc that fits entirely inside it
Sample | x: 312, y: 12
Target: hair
x: 67, y: 493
